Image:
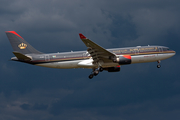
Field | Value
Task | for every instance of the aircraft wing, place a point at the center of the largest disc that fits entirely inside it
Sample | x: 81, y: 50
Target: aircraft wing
x: 97, y: 52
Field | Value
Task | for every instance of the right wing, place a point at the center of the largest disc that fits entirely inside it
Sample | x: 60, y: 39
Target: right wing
x: 97, y: 52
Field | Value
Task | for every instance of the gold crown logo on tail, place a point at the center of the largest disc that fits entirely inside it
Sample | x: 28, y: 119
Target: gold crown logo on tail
x: 22, y: 46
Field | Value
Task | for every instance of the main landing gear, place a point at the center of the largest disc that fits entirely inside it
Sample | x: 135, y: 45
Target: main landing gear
x: 158, y: 66
x: 95, y: 72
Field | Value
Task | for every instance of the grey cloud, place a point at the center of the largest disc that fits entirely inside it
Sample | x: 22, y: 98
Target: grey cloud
x: 81, y: 18
x: 57, y: 19
x: 139, y: 91
x: 26, y: 107
x: 11, y: 7
x: 36, y: 106
x: 154, y: 23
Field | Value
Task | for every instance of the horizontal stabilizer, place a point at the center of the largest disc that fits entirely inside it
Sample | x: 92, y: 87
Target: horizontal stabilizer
x: 20, y: 56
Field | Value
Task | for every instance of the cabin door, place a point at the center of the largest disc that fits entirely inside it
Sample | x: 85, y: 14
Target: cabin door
x: 136, y: 51
x: 160, y: 49
x: 46, y: 57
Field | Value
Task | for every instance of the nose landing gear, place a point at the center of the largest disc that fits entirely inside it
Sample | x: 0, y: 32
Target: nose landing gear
x: 95, y: 72
x: 158, y: 66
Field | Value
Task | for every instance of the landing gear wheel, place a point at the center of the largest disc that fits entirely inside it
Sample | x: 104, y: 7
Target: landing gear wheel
x: 100, y: 69
x: 158, y: 66
x: 90, y: 76
x: 96, y: 72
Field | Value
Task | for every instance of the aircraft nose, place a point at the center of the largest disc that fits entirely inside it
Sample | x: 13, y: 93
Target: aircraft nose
x: 174, y: 52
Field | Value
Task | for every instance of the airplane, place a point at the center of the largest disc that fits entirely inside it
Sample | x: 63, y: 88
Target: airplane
x: 95, y: 57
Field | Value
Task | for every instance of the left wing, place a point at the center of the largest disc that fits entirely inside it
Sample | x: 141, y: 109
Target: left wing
x: 98, y: 53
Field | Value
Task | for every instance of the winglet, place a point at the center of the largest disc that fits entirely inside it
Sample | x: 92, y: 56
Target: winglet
x: 82, y: 36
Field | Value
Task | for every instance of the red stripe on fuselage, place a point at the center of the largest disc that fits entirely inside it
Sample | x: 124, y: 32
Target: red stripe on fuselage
x: 14, y: 33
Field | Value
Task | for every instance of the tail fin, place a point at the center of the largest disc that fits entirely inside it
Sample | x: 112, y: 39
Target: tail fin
x: 19, y: 44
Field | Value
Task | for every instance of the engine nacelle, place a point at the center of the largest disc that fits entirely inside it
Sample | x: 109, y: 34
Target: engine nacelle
x: 113, y: 69
x: 123, y: 60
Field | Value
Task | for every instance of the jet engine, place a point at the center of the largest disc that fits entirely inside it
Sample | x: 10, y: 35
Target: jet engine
x: 123, y: 60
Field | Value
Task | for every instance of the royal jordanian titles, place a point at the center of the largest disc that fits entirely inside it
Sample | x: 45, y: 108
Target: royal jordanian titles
x: 96, y: 57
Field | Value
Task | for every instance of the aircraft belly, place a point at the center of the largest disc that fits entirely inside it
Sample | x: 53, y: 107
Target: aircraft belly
x: 144, y: 58
x: 49, y: 65
x: 89, y: 64
x: 165, y: 56
x: 151, y: 57
x: 68, y: 64
x: 75, y: 64
x: 61, y: 65
x: 86, y: 63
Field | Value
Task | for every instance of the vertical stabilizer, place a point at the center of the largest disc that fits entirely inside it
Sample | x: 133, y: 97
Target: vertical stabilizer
x: 19, y: 44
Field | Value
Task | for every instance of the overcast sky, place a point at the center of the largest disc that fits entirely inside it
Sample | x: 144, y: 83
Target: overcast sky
x: 137, y: 92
